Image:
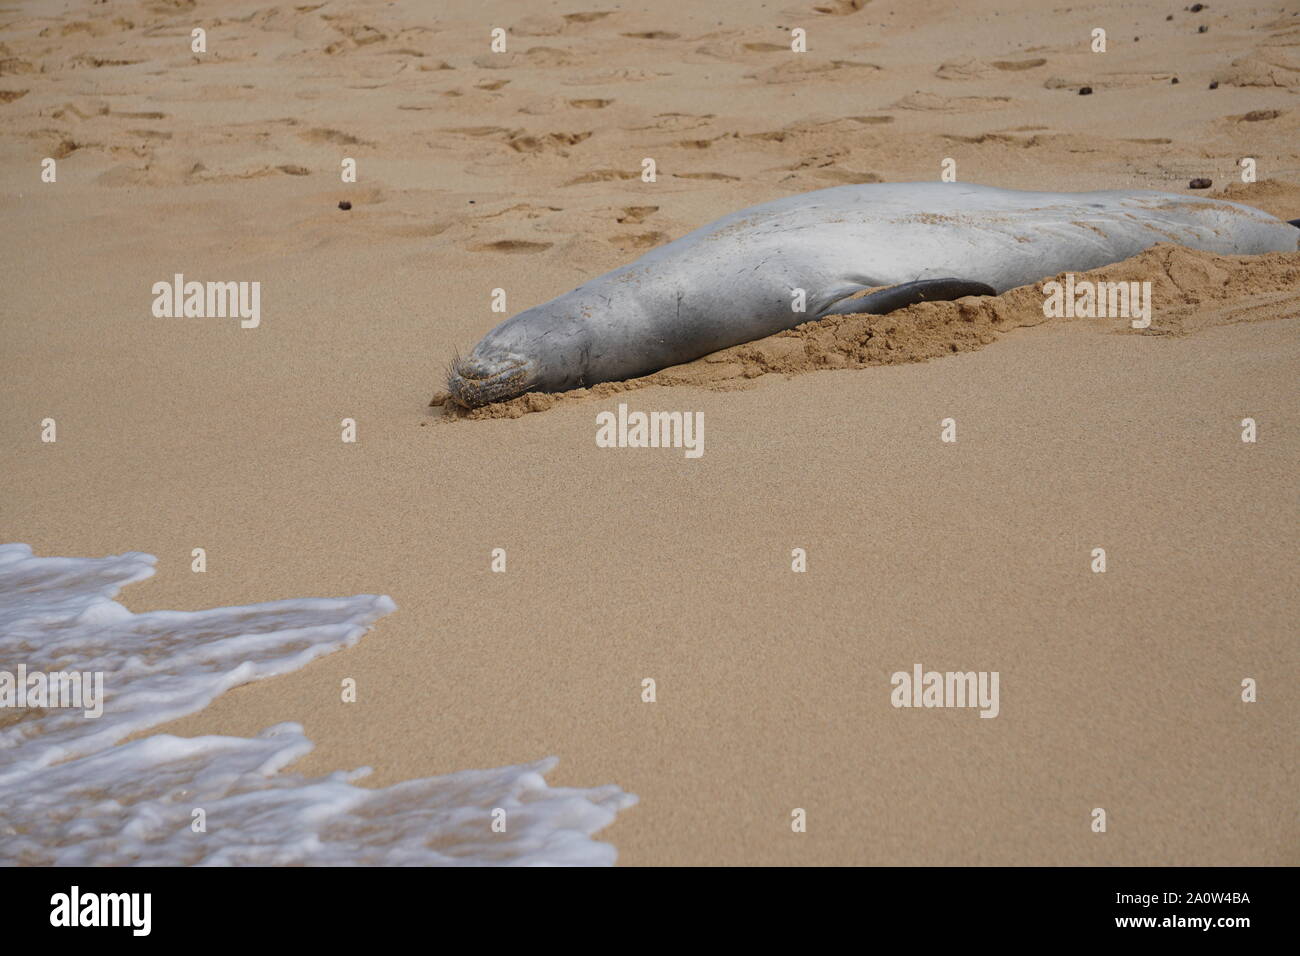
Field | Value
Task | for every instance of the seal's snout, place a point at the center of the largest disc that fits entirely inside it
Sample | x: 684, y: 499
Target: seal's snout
x: 476, y: 380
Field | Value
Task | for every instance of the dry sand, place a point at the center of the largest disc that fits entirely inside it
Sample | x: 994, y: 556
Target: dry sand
x: 520, y: 170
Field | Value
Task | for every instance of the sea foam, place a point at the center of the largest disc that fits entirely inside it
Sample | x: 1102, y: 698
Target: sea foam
x: 71, y: 793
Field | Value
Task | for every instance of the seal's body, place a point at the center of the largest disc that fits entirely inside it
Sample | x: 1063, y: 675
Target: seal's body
x: 735, y: 279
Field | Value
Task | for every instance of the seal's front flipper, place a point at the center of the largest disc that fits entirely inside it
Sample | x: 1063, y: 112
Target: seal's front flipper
x: 908, y: 293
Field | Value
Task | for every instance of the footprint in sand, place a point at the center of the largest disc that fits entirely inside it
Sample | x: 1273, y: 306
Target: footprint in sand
x: 333, y: 136
x: 995, y: 139
x: 602, y: 176
x: 801, y: 69
x: 645, y: 240
x: 840, y: 8
x: 538, y: 56
x: 476, y: 131
x: 821, y: 133
x: 1013, y: 65
x: 821, y: 160
x: 511, y: 246
x: 93, y: 62
x: 845, y: 177
x: 674, y: 122
x: 633, y: 215
x: 200, y: 174
x: 1254, y: 116
x: 355, y: 34
x: 545, y: 25
x: 66, y: 148
x: 545, y: 143
x: 82, y: 110
x: 12, y: 66
x: 970, y: 68
x: 620, y: 74
x: 549, y: 56
x: 921, y: 100
x: 522, y: 210
x: 94, y: 28
x: 1112, y: 80
x: 538, y: 26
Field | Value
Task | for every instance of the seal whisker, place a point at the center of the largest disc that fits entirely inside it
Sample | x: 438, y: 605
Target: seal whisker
x: 452, y: 370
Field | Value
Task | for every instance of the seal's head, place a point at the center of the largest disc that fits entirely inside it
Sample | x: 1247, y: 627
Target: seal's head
x: 489, y: 375
x: 545, y: 348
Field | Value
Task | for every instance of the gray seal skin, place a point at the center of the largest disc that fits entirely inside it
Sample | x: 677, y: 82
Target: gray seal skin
x: 732, y: 281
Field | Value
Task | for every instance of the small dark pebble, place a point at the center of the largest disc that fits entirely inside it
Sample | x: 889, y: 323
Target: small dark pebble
x: 1214, y: 85
x: 1085, y: 91
x: 1200, y: 184
x: 1202, y: 28
x: 1196, y: 7
x: 1170, y: 17
x: 1174, y: 80
x: 345, y: 205
x: 471, y: 202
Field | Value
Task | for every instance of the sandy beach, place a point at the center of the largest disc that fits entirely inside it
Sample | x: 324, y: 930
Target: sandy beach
x: 522, y: 170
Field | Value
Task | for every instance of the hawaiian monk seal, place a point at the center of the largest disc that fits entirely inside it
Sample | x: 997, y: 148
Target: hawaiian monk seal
x: 734, y: 280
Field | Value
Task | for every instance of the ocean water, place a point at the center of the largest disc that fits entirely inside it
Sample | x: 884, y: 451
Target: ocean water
x: 72, y: 793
